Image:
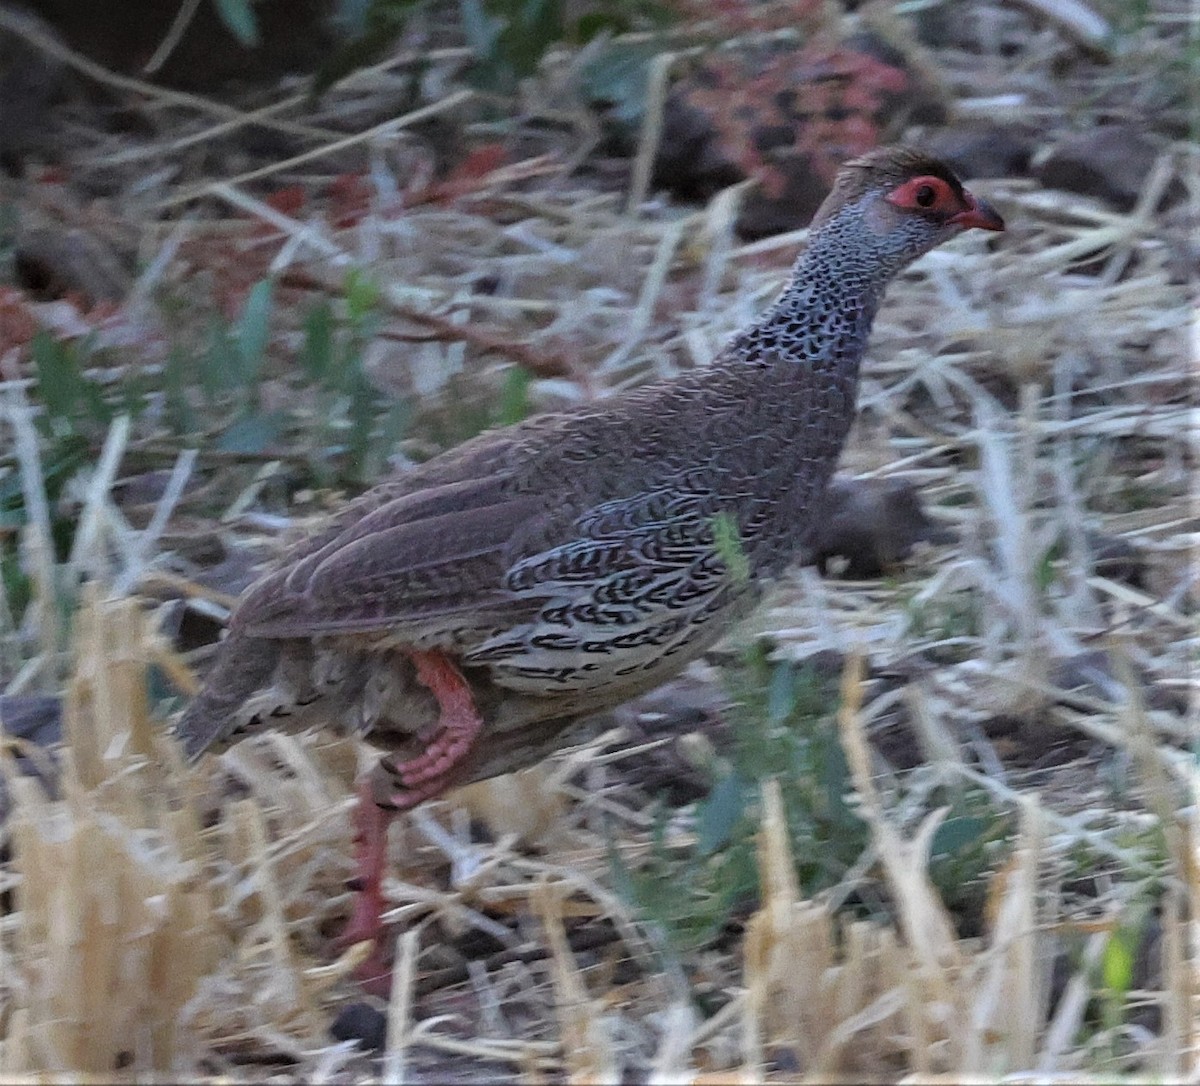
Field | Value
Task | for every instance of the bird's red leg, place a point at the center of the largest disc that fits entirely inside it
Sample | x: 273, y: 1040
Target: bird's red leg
x: 421, y: 778
x: 459, y: 724
x: 366, y: 922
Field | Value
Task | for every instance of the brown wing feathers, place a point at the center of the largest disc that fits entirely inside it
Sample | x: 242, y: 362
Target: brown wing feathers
x: 400, y: 569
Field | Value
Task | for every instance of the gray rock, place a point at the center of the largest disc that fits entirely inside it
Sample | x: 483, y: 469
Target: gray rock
x: 1111, y: 163
x: 979, y: 149
x: 873, y: 524
x: 37, y: 721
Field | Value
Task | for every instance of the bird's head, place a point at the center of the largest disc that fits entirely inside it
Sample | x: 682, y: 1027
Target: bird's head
x: 897, y: 203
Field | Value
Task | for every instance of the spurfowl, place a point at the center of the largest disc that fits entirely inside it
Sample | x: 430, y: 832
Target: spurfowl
x: 464, y: 615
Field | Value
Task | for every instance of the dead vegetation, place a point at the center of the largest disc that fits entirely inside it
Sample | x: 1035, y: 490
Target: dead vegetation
x: 1028, y: 683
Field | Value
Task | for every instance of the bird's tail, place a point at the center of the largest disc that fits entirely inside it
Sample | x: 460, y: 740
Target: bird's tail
x: 244, y: 666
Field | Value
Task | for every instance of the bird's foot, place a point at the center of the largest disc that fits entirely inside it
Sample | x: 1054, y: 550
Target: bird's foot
x: 374, y: 973
x: 365, y: 923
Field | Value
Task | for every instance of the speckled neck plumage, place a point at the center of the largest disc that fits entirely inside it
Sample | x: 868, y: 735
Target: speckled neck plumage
x: 823, y: 316
x: 799, y: 364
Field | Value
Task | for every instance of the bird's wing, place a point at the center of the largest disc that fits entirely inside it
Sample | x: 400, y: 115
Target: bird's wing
x: 484, y: 536
x: 410, y: 564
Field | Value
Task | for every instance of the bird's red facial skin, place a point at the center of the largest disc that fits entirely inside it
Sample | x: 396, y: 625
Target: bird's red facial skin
x: 929, y: 194
x: 934, y: 196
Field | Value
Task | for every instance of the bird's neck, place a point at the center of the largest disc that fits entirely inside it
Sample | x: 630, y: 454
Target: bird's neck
x: 824, y: 315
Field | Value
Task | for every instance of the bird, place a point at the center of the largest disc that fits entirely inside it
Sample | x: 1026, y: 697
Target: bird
x: 464, y: 616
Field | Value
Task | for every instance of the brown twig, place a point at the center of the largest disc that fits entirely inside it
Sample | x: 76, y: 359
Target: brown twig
x: 445, y: 330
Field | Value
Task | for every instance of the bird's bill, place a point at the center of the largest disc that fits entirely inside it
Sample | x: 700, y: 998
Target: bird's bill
x: 978, y: 213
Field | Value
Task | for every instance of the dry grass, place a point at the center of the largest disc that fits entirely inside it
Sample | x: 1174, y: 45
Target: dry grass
x: 178, y: 921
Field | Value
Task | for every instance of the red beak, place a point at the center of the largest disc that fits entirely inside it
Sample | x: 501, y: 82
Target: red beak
x: 978, y: 213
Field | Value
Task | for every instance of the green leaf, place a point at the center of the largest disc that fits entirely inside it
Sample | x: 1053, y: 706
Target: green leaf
x: 252, y: 434
x: 134, y: 389
x: 1117, y: 964
x: 514, y: 396
x: 728, y: 542
x: 618, y: 76
x: 239, y: 19
x: 1043, y: 573
x: 316, y: 356
x: 480, y: 29
x: 384, y: 436
x: 619, y: 872
x: 719, y: 813
x: 370, y: 28
x: 593, y: 23
x: 252, y: 332
x: 18, y: 588
x: 362, y: 296
x: 362, y: 419
x: 63, y: 459
x: 956, y: 835
x: 781, y: 694
x: 534, y: 27
x: 219, y: 367
x: 11, y: 489
x: 58, y: 376
x: 350, y: 16
x: 835, y: 780
x: 180, y: 416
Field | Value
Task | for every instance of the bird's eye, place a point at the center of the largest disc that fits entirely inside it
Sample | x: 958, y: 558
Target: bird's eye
x: 926, y: 194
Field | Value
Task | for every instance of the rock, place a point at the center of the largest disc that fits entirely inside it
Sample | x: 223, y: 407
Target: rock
x: 1033, y: 741
x: 30, y: 82
x: 691, y: 712
x: 1117, y: 559
x: 52, y: 262
x: 1088, y: 674
x: 787, y: 116
x: 293, y: 36
x: 36, y: 719
x: 1111, y: 163
x: 362, y: 1023
x: 37, y: 722
x: 935, y: 25
x: 979, y: 149
x: 1183, y: 244
x: 873, y: 524
x: 1093, y: 674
